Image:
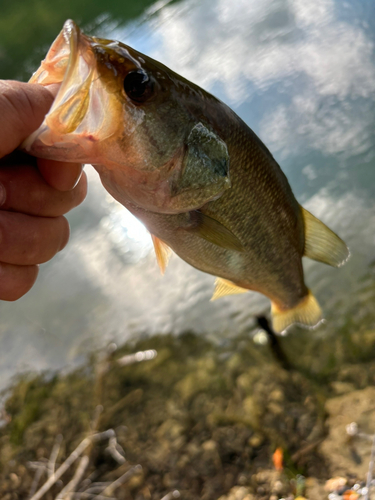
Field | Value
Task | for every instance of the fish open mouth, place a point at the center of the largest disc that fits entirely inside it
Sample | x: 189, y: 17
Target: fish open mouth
x: 78, y: 113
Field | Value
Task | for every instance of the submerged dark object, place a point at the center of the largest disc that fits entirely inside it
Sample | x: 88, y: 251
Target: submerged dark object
x: 274, y: 341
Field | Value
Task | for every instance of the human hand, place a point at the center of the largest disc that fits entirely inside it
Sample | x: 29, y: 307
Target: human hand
x: 34, y: 194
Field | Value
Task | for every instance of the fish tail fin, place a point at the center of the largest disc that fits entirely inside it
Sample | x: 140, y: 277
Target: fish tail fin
x: 307, y: 312
x: 321, y: 243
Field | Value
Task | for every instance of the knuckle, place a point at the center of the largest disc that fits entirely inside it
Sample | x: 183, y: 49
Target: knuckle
x: 38, y: 201
x: 49, y: 240
x: 45, y: 241
x: 3, y: 194
x: 34, y: 248
x: 3, y: 231
x: 65, y: 233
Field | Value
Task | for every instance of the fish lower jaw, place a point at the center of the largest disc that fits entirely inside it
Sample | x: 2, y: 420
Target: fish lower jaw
x: 57, y: 148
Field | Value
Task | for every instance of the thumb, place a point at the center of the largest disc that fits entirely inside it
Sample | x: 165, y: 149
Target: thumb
x: 23, y: 107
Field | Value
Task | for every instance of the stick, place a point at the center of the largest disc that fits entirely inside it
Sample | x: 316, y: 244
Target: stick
x: 96, y: 489
x: 113, y: 449
x: 121, y: 480
x: 91, y: 495
x: 70, y: 460
x: 74, y: 482
x: 170, y: 496
x: 38, y: 475
x: 54, y: 453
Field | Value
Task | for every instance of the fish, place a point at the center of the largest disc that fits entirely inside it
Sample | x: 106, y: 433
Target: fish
x: 183, y: 163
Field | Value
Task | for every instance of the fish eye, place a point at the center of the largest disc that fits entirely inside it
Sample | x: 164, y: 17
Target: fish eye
x: 138, y: 86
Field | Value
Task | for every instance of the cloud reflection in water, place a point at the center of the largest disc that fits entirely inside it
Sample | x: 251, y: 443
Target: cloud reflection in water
x: 303, y: 76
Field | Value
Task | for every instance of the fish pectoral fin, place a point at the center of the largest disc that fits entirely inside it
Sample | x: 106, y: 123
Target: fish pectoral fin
x: 321, y: 243
x: 306, y: 313
x: 204, y: 174
x: 213, y: 231
x: 225, y: 287
x: 162, y: 251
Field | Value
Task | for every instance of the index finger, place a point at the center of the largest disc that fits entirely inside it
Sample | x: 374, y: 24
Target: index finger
x: 23, y: 107
x: 60, y: 175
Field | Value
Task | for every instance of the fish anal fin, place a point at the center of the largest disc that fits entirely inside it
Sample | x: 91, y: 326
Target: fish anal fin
x: 225, y: 287
x: 213, y: 231
x: 321, y: 243
x: 162, y: 252
x: 307, y: 313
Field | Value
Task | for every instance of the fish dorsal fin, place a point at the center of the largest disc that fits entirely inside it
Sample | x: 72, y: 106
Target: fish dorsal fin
x: 225, y: 287
x: 321, y: 243
x: 306, y: 313
x: 162, y: 252
x: 213, y: 231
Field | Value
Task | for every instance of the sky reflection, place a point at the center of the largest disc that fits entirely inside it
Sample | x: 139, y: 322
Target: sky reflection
x: 302, y: 75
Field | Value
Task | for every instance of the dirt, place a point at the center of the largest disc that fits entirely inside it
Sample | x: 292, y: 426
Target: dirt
x: 202, y: 420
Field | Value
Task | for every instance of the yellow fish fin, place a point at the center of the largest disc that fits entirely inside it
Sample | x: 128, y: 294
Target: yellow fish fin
x: 225, y: 287
x: 213, y: 231
x: 162, y: 252
x: 307, y: 313
x: 321, y: 243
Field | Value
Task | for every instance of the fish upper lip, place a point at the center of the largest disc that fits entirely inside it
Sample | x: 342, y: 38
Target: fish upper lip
x: 70, y: 76
x: 70, y: 30
x: 81, y: 107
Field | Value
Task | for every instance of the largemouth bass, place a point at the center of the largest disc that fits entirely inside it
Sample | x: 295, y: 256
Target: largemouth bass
x: 188, y: 167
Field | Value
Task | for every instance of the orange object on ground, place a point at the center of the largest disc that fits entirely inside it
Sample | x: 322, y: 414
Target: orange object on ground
x: 277, y: 459
x: 350, y: 495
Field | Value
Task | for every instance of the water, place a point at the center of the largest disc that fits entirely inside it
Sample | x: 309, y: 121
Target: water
x: 302, y: 75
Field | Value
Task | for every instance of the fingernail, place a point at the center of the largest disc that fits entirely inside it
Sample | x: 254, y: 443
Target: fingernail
x: 78, y: 178
x: 3, y: 195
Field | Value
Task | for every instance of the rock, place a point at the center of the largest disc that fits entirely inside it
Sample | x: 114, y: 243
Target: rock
x: 277, y: 395
x: 270, y: 482
x: 342, y: 387
x: 314, y: 489
x: 349, y: 455
x: 209, y: 445
x: 361, y: 375
x: 275, y: 409
x: 171, y: 429
x: 256, y: 440
x: 335, y: 483
x: 202, y: 378
x: 238, y: 493
x: 15, y: 480
x: 252, y: 411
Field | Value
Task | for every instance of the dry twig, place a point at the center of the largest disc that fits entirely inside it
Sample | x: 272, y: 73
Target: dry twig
x: 66, y: 492
x: 70, y: 460
x: 54, y: 454
x: 171, y: 495
x: 121, y: 480
x: 38, y: 474
x: 116, y: 451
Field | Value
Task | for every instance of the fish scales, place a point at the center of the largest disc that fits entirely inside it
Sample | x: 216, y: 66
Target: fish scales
x: 273, y: 245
